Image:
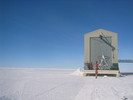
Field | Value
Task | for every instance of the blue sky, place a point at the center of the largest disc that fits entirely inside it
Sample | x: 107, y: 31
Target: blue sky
x: 49, y: 33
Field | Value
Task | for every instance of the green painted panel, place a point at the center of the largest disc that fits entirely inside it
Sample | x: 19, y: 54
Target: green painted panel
x: 115, y: 66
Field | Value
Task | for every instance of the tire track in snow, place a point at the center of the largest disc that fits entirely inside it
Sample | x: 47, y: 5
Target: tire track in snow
x: 100, y: 91
x: 115, y: 92
x: 53, y: 88
x: 95, y: 95
x: 22, y: 91
x: 62, y: 84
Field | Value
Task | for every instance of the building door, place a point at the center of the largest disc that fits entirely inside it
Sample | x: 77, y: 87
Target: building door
x: 101, y: 51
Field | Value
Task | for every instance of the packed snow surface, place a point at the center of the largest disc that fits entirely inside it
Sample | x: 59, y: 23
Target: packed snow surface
x: 61, y: 84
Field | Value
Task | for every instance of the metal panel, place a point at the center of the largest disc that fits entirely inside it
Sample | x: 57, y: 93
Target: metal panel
x: 100, y: 51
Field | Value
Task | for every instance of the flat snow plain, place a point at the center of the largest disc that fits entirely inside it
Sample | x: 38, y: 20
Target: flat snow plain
x: 61, y: 84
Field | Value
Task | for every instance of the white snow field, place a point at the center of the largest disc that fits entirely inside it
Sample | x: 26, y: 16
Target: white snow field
x: 61, y: 84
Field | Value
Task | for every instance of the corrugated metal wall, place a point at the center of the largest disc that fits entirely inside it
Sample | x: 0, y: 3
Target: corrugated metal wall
x: 98, y: 48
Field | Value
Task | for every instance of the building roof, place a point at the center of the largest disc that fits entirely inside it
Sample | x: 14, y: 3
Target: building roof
x: 101, y: 31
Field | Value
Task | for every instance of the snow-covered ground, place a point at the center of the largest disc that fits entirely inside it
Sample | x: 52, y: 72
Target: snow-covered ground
x: 61, y: 84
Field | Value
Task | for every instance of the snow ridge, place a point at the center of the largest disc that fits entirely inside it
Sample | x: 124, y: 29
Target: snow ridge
x: 78, y: 72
